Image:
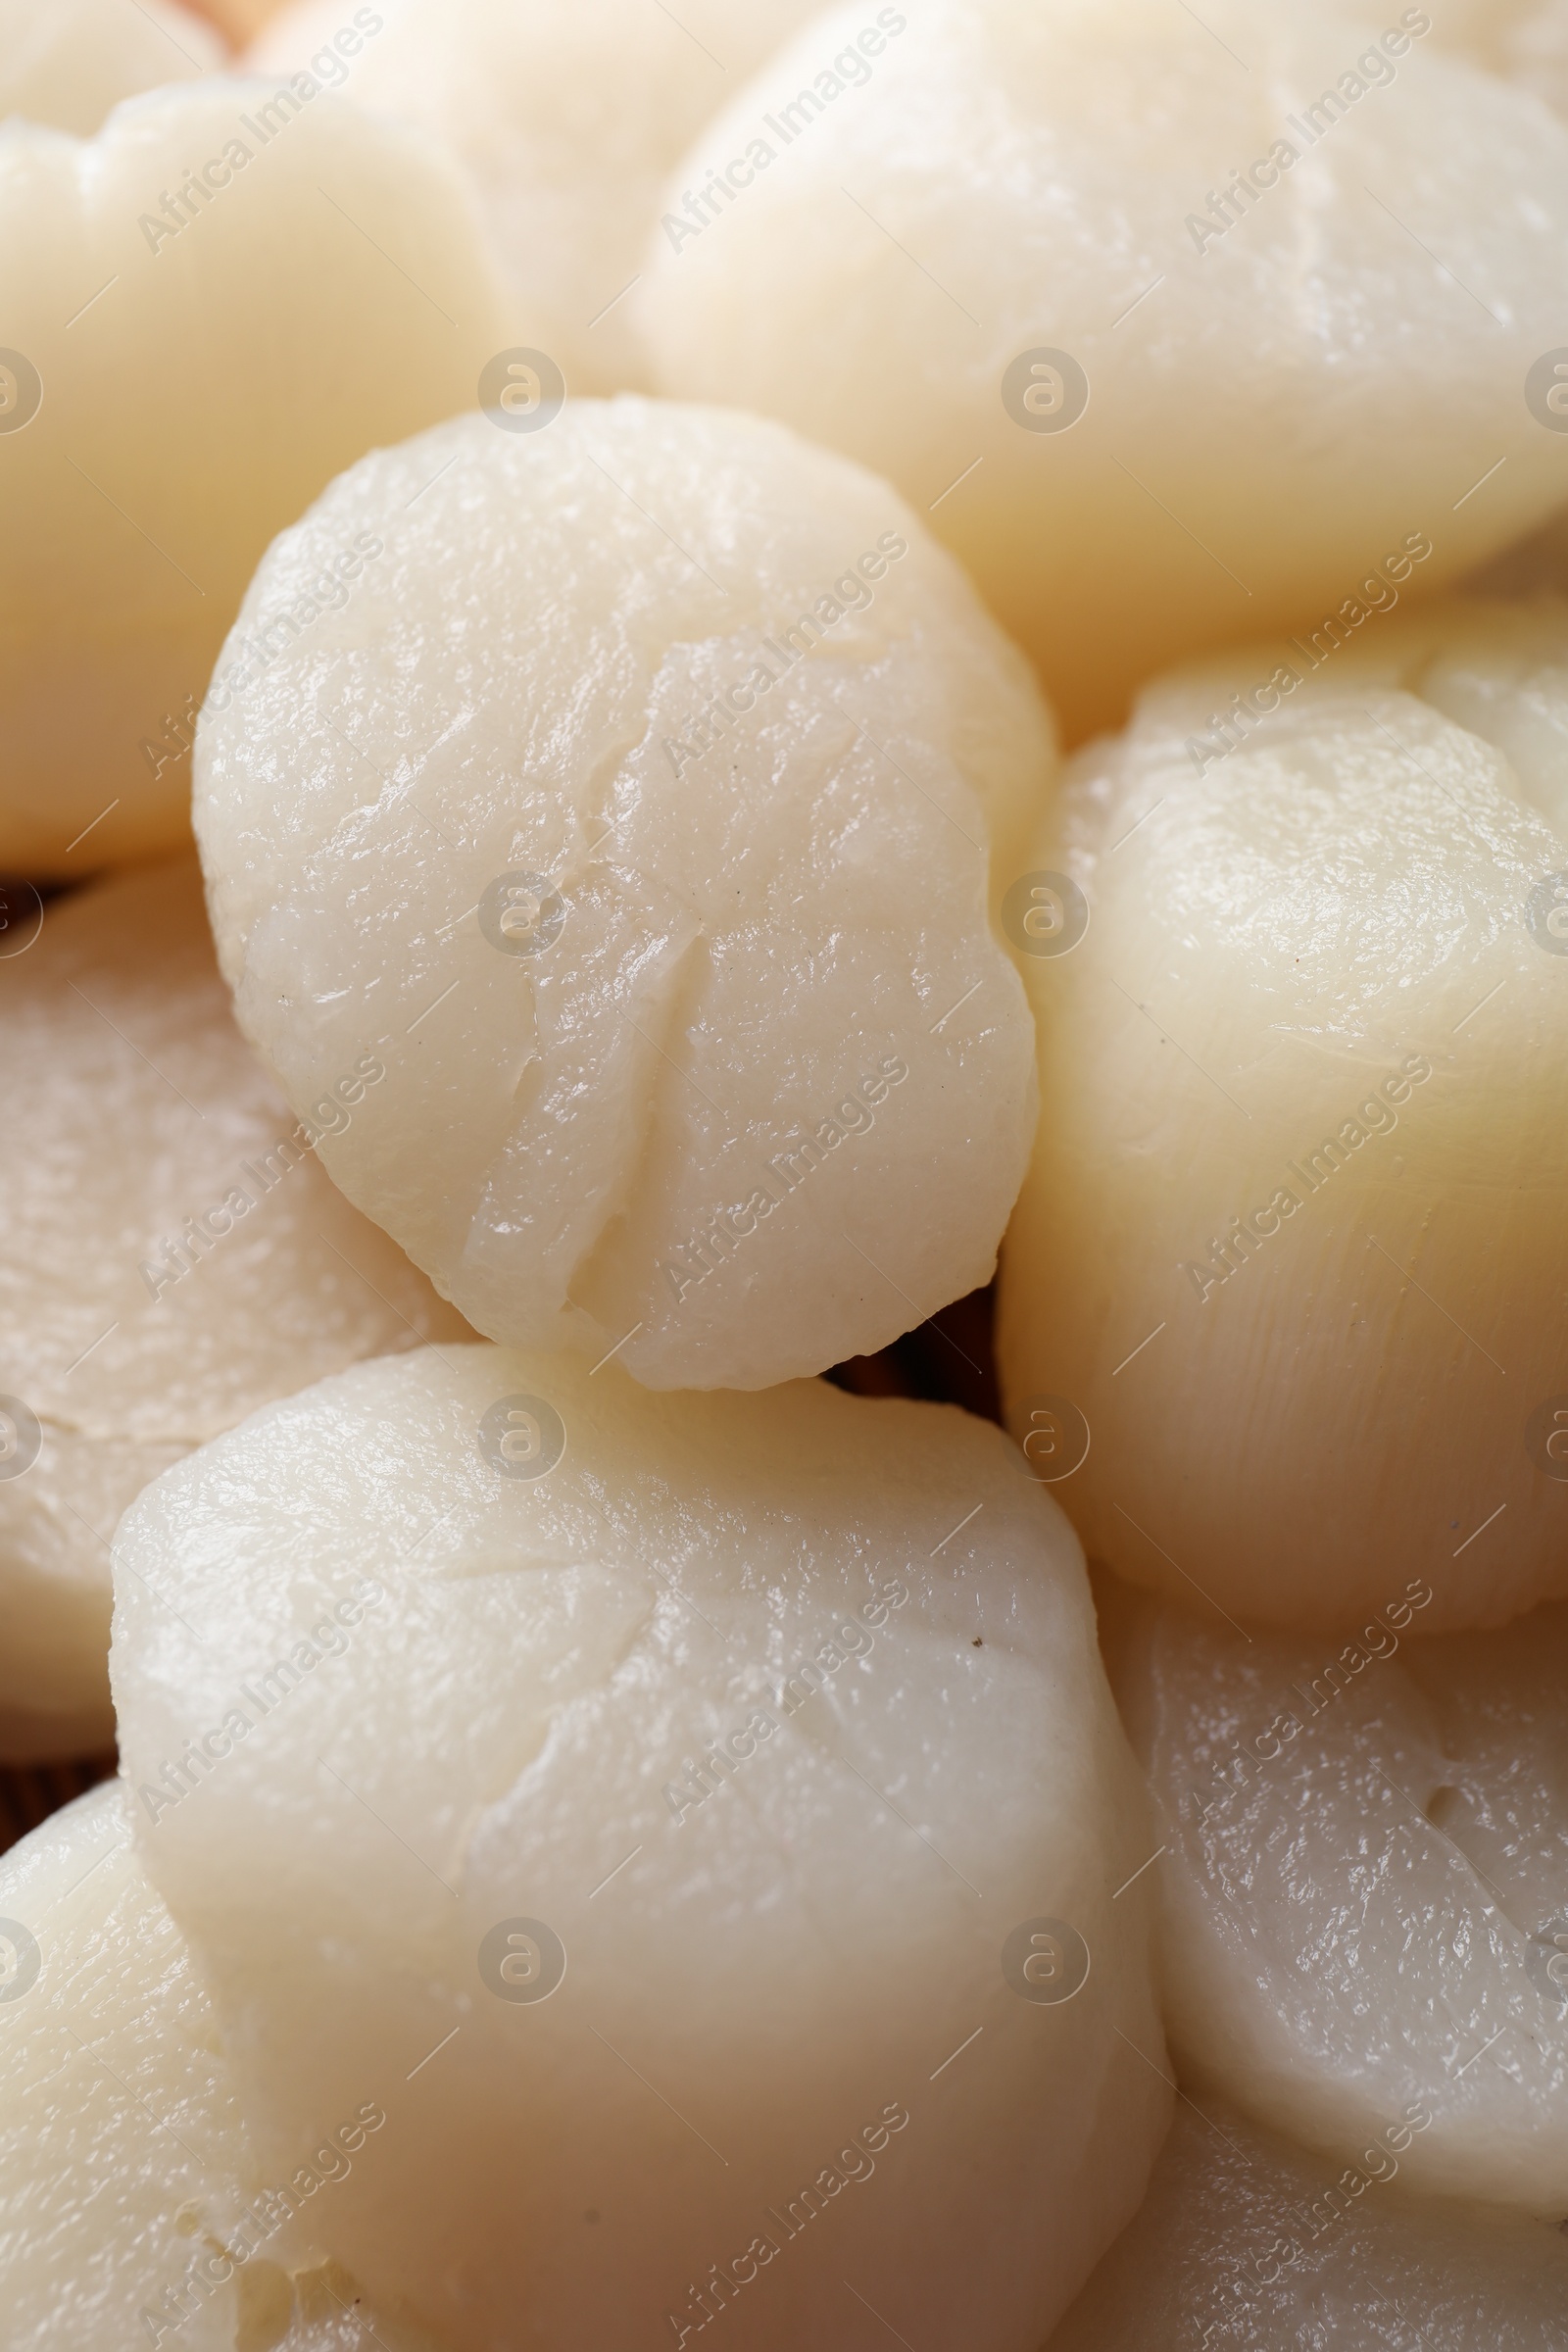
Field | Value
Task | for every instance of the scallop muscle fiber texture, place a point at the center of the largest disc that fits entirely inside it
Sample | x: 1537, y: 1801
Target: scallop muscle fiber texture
x: 641, y: 801
x: 132, y: 2208
x: 208, y: 309
x: 687, y: 1842
x: 1295, y: 1240
x: 170, y: 1258
x: 1365, y: 1884
x: 1170, y: 319
x: 1245, y: 2241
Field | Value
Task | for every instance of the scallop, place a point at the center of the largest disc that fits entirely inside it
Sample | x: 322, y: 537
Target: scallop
x: 640, y: 809
x: 569, y: 118
x: 1172, y: 321
x: 701, y: 1825
x: 210, y: 310
x: 170, y: 1258
x: 1281, y: 1306
x: 1365, y: 1885
x: 1245, y: 2240
x: 132, y: 2208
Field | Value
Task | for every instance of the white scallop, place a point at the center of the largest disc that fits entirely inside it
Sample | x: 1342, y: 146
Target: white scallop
x: 570, y: 117
x: 170, y: 1258
x: 132, y: 2206
x: 1366, y: 1883
x: 646, y: 1827
x: 1245, y: 2240
x: 642, y: 806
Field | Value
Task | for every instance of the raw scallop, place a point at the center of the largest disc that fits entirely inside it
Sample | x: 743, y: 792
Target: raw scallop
x: 643, y: 806
x: 1245, y: 2241
x: 570, y: 119
x: 699, y: 1821
x: 1365, y: 1885
x: 1294, y: 1248
x: 186, y: 363
x: 171, y: 1257
x: 1000, y: 249
x: 131, y: 2209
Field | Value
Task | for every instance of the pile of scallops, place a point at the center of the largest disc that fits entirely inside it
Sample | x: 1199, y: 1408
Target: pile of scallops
x: 679, y: 684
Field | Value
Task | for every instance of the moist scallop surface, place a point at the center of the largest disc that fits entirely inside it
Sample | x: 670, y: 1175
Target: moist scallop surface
x: 1292, y: 1244
x: 1003, y: 251
x: 644, y: 799
x: 173, y: 1258
x: 1245, y: 2241
x: 697, y: 1820
x: 259, y: 336
x: 1366, y: 1883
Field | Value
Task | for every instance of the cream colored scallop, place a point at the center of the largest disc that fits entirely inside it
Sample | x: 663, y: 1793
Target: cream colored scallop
x: 1246, y: 2240
x: 995, y: 250
x: 67, y: 62
x: 187, y: 361
x: 171, y: 1257
x: 699, y: 1820
x: 640, y: 806
x: 570, y: 113
x: 1293, y: 1241
x: 132, y: 2207
x: 1366, y: 1883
